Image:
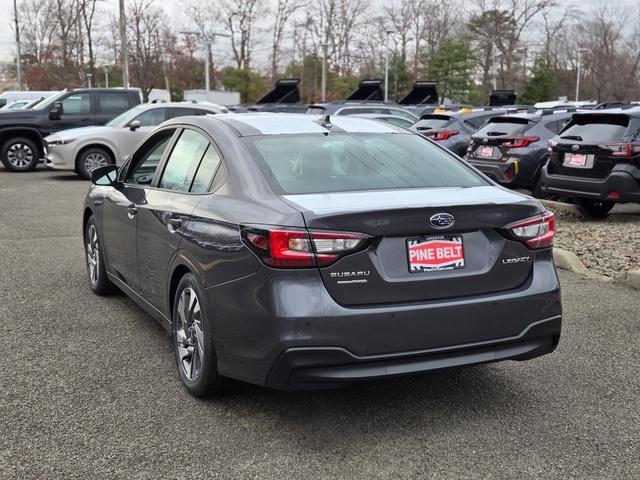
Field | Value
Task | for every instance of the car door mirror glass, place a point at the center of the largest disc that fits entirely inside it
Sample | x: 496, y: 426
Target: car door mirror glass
x: 105, y: 176
x: 134, y: 125
x: 55, y: 111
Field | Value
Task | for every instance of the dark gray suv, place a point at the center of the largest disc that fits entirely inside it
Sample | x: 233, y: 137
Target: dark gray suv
x: 305, y: 251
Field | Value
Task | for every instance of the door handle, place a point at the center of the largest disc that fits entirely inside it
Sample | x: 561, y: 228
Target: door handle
x: 174, y: 223
x: 132, y: 211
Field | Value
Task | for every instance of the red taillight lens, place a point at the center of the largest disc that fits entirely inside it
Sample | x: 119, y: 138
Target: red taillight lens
x: 536, y: 233
x: 441, y: 134
x: 622, y: 149
x: 519, y: 142
x: 299, y: 248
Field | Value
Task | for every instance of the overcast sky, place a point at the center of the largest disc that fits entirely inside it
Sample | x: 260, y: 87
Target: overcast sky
x: 7, y: 42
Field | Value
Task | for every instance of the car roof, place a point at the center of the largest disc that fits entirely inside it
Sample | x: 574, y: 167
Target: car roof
x: 256, y: 124
x: 201, y: 105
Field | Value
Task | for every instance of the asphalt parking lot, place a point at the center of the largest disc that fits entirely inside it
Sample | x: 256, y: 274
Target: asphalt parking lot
x: 89, y: 388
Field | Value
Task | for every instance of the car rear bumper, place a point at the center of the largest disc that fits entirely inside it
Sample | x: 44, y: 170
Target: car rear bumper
x: 622, y: 180
x: 311, y: 368
x: 285, y: 331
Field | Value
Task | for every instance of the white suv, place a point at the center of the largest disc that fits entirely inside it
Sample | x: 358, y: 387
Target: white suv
x: 84, y: 149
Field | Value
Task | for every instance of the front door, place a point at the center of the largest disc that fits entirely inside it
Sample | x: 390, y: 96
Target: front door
x: 77, y: 111
x: 164, y: 216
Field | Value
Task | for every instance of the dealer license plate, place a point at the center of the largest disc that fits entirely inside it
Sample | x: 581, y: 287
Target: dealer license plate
x: 435, y: 253
x: 578, y: 160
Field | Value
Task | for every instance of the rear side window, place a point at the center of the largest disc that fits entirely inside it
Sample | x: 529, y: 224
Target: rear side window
x: 596, y: 128
x: 113, y: 103
x: 183, y: 161
x: 501, y: 126
x: 184, y: 112
x: 432, y: 122
x: 352, y: 162
x: 206, y: 170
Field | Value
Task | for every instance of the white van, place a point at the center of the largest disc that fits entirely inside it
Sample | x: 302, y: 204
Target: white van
x: 11, y: 96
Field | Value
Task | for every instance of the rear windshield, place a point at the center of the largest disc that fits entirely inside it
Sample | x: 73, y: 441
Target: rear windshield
x: 596, y: 128
x: 500, y: 126
x: 316, y: 163
x: 432, y: 122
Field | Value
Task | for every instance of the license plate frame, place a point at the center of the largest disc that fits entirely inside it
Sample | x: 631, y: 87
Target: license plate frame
x: 578, y: 160
x: 486, y: 152
x: 426, y: 257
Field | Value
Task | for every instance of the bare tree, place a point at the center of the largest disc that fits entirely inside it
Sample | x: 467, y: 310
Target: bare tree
x: 87, y: 13
x: 284, y: 10
x: 239, y: 18
x: 37, y: 30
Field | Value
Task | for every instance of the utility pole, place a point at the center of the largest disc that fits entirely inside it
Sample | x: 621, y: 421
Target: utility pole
x: 208, y: 39
x: 580, y: 51
x: 323, y: 87
x: 386, y: 65
x: 19, y: 54
x: 124, y: 54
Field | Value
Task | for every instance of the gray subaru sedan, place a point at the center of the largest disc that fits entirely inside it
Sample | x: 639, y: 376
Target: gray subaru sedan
x: 302, y: 251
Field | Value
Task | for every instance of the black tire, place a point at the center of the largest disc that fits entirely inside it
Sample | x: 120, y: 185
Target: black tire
x: 20, y: 154
x: 97, y: 276
x: 595, y: 208
x: 92, y: 158
x: 198, y: 370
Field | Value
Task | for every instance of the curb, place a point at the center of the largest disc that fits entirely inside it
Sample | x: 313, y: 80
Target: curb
x: 564, y: 208
x: 629, y: 279
x: 566, y: 260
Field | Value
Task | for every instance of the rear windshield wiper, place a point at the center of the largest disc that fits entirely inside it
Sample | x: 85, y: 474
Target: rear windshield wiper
x: 572, y: 137
x: 496, y: 134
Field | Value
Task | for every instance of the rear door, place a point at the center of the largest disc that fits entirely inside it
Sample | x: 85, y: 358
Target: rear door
x: 163, y: 217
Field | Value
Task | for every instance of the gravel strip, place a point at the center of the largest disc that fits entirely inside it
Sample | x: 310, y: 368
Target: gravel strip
x: 609, y: 246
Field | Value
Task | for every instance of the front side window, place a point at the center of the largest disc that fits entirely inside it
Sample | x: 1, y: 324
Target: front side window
x: 184, y: 161
x: 146, y: 159
x: 112, y: 103
x: 313, y: 163
x: 77, y: 103
x: 152, y: 118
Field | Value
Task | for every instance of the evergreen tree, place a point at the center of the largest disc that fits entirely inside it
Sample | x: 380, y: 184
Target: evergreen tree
x: 451, y: 66
x: 541, y: 85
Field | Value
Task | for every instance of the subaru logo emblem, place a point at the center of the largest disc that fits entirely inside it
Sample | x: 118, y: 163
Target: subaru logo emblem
x: 441, y: 220
x: 575, y: 147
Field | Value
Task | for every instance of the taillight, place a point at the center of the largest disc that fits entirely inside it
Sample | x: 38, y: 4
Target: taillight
x: 519, y: 142
x: 536, y: 232
x: 441, y: 134
x: 621, y: 149
x: 299, y: 248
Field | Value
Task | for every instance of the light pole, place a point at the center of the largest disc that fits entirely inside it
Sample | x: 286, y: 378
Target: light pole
x: 386, y: 65
x: 323, y: 87
x: 89, y: 78
x: 580, y: 51
x: 19, y: 55
x: 124, y: 53
x: 208, y: 40
x: 106, y: 77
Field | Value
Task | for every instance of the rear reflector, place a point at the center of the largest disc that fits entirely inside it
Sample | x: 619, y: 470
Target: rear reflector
x: 535, y: 233
x: 299, y: 248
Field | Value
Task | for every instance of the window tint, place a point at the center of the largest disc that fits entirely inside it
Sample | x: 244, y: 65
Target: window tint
x: 500, y: 126
x: 352, y: 162
x: 597, y: 127
x: 477, y: 122
x: 147, y: 158
x: 113, y: 103
x: 552, y: 126
x: 151, y: 118
x: 77, y: 103
x: 206, y: 170
x: 183, y: 161
x: 183, y: 112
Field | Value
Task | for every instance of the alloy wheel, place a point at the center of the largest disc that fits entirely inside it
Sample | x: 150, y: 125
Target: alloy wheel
x: 189, y: 335
x: 20, y: 156
x: 95, y: 160
x: 93, y: 259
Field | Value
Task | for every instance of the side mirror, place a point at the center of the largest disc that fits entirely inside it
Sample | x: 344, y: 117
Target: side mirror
x: 134, y: 125
x: 55, y: 111
x: 105, y: 176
